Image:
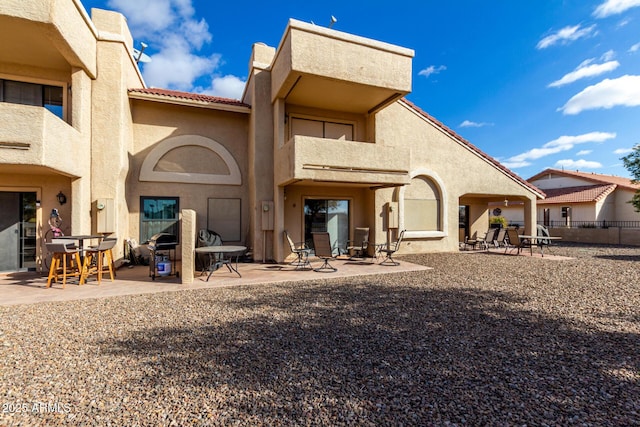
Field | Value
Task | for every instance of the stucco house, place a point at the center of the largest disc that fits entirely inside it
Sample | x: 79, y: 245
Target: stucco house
x: 584, y: 198
x: 315, y: 143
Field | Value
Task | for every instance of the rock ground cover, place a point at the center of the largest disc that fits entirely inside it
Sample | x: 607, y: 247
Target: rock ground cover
x: 481, y: 339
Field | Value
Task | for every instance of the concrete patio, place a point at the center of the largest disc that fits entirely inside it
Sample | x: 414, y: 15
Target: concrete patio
x: 30, y: 287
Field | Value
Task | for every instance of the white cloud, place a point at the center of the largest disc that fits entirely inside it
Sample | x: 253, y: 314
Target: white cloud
x: 614, y: 7
x: 470, y: 124
x: 431, y: 69
x: 175, y: 67
x: 146, y: 16
x: 623, y: 151
x: 226, y: 87
x: 584, y: 152
x: 558, y: 145
x: 584, y: 70
x: 578, y: 164
x: 515, y: 165
x: 624, y: 91
x: 565, y: 35
x: 176, y: 38
x: 634, y: 48
x: 608, y: 55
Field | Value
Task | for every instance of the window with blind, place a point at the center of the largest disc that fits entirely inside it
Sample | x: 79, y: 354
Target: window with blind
x: 39, y: 95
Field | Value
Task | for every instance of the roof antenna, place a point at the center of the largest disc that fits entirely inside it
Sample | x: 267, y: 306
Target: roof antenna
x: 333, y: 21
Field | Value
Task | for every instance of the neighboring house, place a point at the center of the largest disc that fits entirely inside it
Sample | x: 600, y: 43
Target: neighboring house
x: 585, y: 199
x: 315, y: 143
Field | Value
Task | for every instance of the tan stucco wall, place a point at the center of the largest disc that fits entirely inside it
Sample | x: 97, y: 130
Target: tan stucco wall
x: 463, y: 173
x: 605, y: 236
x: 156, y: 122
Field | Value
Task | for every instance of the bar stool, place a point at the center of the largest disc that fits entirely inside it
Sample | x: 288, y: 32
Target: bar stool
x: 63, y: 252
x: 95, y: 257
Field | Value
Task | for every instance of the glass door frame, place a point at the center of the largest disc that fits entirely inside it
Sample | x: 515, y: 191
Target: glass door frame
x: 343, y: 228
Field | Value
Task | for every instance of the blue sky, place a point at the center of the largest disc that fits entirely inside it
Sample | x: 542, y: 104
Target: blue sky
x: 535, y: 84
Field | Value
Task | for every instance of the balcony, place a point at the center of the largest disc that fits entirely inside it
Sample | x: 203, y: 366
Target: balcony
x: 323, y: 68
x: 53, y: 34
x: 305, y: 158
x: 34, y: 136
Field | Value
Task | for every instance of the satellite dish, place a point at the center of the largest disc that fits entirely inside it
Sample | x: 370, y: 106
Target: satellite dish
x: 139, y: 55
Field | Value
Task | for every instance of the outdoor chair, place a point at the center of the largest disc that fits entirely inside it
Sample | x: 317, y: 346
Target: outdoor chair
x: 69, y: 256
x: 301, y: 250
x: 501, y: 238
x: 97, y: 259
x: 390, y: 249
x: 208, y: 238
x: 515, y: 242
x: 543, y: 232
x: 472, y: 242
x: 357, y: 248
x: 488, y: 238
x: 323, y: 250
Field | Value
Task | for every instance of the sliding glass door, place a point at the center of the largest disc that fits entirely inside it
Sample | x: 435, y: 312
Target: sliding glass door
x: 17, y: 231
x: 330, y: 215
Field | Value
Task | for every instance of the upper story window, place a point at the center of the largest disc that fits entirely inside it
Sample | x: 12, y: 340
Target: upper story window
x: 321, y: 129
x: 40, y: 95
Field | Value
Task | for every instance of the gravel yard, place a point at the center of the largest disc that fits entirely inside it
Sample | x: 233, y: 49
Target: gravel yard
x: 481, y: 339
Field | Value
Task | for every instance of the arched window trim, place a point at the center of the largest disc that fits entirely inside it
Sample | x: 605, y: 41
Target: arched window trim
x: 147, y: 172
x: 444, y: 226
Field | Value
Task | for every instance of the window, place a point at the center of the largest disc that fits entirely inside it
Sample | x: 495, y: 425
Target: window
x: 422, y: 205
x: 158, y: 215
x: 321, y: 129
x: 49, y: 97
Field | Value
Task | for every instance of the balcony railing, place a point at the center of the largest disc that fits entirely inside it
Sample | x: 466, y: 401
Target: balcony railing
x: 591, y: 224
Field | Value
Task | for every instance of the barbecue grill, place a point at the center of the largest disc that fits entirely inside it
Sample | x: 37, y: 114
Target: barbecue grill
x: 161, y: 247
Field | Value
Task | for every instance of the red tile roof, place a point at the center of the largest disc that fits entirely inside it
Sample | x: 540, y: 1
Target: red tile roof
x: 189, y: 96
x: 475, y: 149
x: 582, y: 194
x: 596, y: 178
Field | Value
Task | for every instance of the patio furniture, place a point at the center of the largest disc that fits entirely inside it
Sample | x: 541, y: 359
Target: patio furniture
x: 473, y: 241
x: 501, y: 238
x: 207, y: 238
x: 69, y: 256
x: 488, y: 238
x: 357, y: 248
x: 515, y: 242
x: 220, y: 255
x: 301, y: 250
x: 391, y: 249
x: 97, y: 259
x: 323, y: 250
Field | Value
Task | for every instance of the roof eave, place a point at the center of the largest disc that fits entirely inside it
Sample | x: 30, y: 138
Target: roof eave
x: 189, y: 102
x: 475, y: 150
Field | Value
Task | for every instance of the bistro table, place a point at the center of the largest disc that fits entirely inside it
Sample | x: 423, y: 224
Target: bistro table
x: 535, y: 241
x: 222, y: 250
x: 80, y: 239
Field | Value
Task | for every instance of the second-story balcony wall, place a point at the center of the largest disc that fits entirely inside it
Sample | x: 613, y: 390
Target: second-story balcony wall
x: 35, y: 136
x: 51, y: 34
x: 327, y: 69
x: 306, y: 158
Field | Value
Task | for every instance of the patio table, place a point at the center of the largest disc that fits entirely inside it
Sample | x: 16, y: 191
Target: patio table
x: 534, y: 241
x: 222, y: 250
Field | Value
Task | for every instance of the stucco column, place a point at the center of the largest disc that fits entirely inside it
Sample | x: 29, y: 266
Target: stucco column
x: 188, y: 243
x: 81, y: 102
x: 278, y: 224
x: 530, y: 217
x: 81, y: 206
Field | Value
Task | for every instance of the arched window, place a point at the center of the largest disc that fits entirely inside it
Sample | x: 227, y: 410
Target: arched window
x: 422, y: 206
